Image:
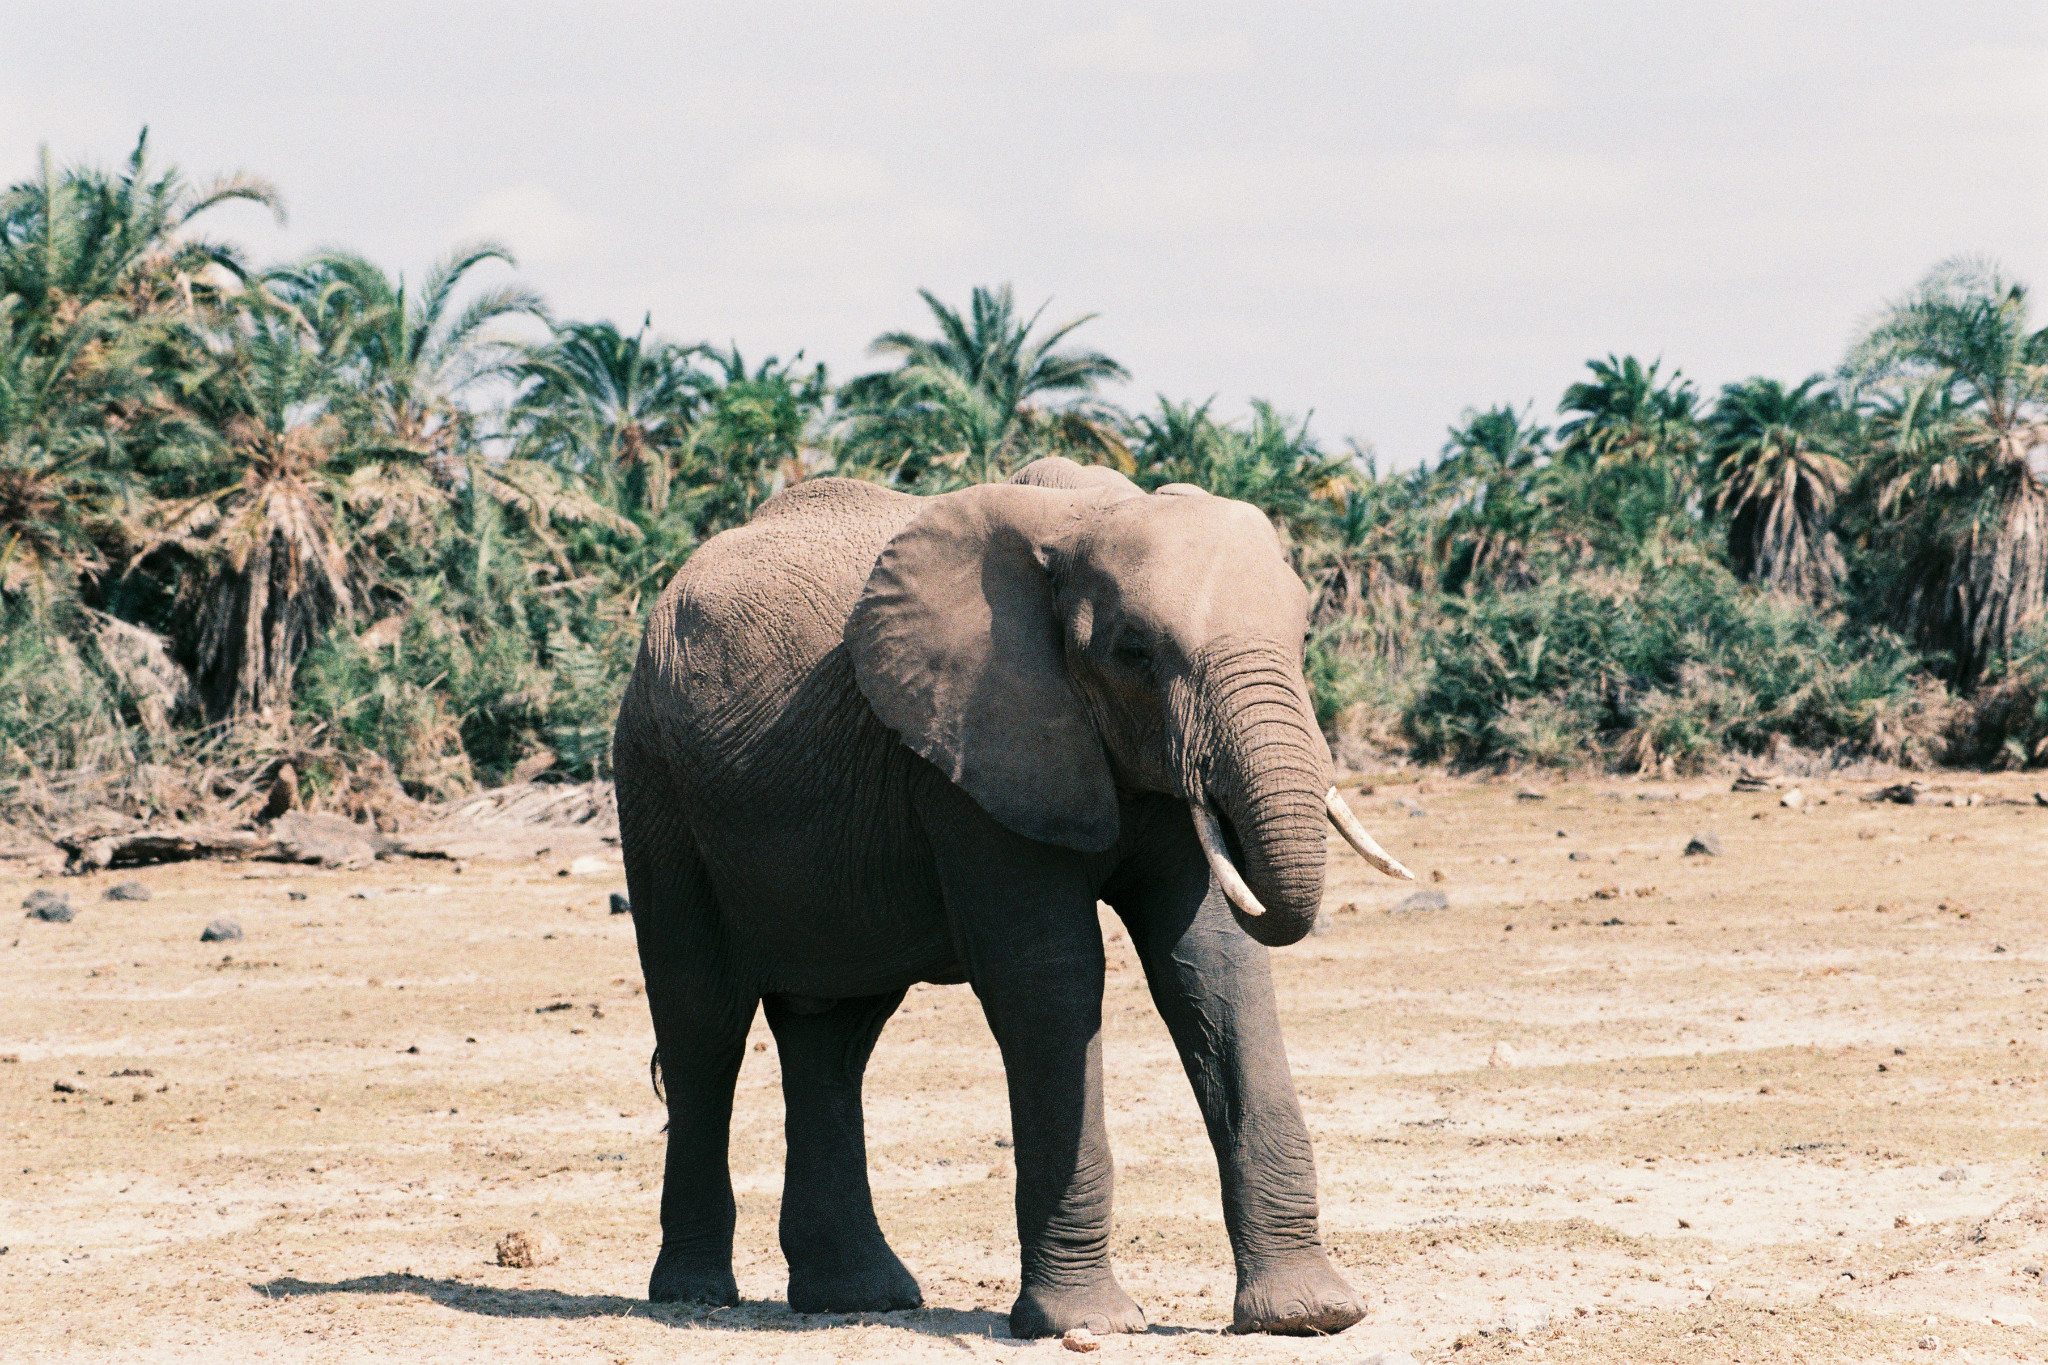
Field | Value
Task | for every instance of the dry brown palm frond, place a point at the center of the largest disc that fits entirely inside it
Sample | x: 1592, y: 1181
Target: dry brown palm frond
x: 393, y: 494
x: 268, y: 572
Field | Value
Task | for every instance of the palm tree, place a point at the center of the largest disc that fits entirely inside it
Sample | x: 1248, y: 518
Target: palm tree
x: 963, y: 401
x: 1273, y: 462
x: 614, y: 407
x: 1778, y: 470
x: 1369, y: 564
x: 104, y: 295
x: 757, y: 435
x: 83, y: 235
x: 1492, y: 508
x: 260, y: 557
x: 1625, y: 475
x: 55, y: 444
x: 408, y: 358
x: 1960, y: 392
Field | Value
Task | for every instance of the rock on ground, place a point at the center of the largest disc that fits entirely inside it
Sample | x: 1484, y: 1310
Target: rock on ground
x: 221, y: 931
x: 127, y: 891
x: 1421, y: 900
x: 620, y: 905
x: 53, y: 907
x: 1706, y: 842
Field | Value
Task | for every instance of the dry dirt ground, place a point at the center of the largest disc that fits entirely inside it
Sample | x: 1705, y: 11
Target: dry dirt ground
x: 1614, y: 1103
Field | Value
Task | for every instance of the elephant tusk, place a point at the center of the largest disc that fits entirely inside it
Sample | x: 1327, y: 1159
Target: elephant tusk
x: 1355, y: 835
x: 1227, y: 875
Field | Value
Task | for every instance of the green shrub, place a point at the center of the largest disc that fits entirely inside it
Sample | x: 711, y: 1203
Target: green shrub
x: 1660, y: 669
x: 465, y: 693
x: 2006, y: 724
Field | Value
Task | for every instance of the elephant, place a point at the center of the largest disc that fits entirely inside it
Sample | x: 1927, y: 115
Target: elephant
x: 874, y: 739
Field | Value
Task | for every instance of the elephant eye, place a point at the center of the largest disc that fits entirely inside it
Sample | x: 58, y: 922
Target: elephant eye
x: 1132, y: 653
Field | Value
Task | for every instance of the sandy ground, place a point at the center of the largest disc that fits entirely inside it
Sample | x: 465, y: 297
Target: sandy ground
x: 1613, y: 1103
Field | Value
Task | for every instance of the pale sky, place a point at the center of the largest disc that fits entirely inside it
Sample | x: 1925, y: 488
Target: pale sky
x: 1381, y: 212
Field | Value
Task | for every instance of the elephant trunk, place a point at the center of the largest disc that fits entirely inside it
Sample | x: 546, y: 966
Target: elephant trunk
x: 1252, y: 753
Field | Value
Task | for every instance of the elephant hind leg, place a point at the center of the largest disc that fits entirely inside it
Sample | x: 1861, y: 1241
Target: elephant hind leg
x: 839, y: 1262
x: 701, y: 1016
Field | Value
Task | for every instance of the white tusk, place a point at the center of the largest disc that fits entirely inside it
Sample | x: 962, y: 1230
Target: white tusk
x: 1355, y: 835
x: 1227, y: 876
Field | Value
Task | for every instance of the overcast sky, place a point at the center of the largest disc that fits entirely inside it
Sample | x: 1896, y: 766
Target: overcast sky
x: 1383, y: 213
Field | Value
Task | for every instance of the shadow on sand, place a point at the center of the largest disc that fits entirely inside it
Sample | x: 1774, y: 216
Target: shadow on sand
x: 758, y: 1316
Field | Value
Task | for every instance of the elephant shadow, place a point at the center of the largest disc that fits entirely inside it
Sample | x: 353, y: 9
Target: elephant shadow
x: 759, y: 1316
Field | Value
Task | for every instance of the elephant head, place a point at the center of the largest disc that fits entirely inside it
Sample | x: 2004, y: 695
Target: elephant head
x: 1051, y: 640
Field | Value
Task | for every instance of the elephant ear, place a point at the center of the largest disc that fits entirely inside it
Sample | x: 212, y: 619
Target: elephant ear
x: 958, y: 647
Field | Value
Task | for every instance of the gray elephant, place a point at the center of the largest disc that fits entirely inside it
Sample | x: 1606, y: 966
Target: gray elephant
x: 874, y: 739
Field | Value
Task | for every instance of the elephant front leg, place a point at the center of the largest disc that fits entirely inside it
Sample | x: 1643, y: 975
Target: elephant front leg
x: 1065, y: 1180
x: 1214, y: 988
x: 1024, y: 920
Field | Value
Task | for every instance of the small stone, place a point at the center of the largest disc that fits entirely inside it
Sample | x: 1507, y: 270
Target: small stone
x: 1415, y: 814
x: 1578, y: 857
x: 127, y: 891
x: 2041, y: 798
x: 1955, y: 1173
x: 221, y: 931
x: 1705, y: 842
x: 1793, y: 800
x: 1421, y: 900
x: 1929, y: 1342
x: 1516, y: 1322
x: 620, y: 905
x: 52, y: 907
x: 1081, y: 1339
x: 523, y: 1250
x: 1530, y: 796
x: 586, y: 866
x: 1502, y: 1055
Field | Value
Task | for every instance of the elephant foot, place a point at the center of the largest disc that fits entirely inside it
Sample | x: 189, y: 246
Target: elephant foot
x: 682, y: 1279
x: 1302, y: 1295
x: 870, y: 1281
x: 1054, y: 1310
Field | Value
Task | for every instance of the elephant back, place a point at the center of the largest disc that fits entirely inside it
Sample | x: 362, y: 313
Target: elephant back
x: 756, y: 610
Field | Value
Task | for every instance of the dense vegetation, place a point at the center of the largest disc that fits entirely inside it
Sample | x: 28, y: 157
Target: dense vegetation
x: 402, y: 534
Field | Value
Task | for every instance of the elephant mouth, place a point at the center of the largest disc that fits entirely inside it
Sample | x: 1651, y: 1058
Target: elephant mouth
x: 1211, y: 830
